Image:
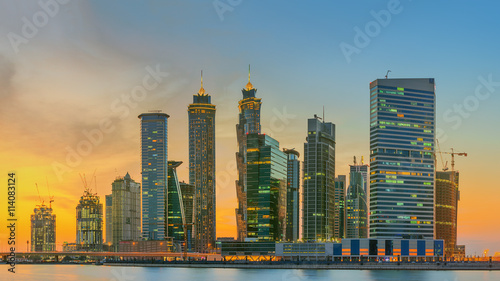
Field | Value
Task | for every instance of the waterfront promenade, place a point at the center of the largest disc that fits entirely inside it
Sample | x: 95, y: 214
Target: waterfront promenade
x: 322, y: 265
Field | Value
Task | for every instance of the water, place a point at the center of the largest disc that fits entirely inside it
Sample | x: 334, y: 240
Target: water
x: 115, y: 273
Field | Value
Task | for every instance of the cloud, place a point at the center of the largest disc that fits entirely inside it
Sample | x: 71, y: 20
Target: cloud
x: 7, y: 72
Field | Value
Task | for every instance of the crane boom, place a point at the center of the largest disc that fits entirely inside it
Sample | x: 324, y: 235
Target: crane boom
x: 453, y: 153
x: 38, y: 191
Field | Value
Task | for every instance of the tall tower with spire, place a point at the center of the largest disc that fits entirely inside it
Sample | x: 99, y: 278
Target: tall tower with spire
x: 249, y: 122
x: 202, y: 168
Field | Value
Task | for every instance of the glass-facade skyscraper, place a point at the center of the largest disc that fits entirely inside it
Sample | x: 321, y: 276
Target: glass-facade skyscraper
x: 249, y: 123
x: 154, y: 174
x: 266, y: 189
x: 292, y: 195
x: 175, y: 205
x: 319, y: 211
x: 108, y: 201
x: 356, y: 207
x: 187, y: 191
x: 202, y: 169
x: 339, y: 222
x: 402, y: 134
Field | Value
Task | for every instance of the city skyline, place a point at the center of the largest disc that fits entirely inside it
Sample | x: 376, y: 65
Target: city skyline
x: 76, y: 92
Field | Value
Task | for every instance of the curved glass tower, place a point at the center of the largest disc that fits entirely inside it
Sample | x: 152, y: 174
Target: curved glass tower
x: 154, y: 174
x: 402, y: 133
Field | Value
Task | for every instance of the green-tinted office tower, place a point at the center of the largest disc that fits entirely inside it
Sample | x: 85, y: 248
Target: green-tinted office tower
x: 339, y: 223
x: 319, y: 211
x: 266, y: 189
x: 175, y: 206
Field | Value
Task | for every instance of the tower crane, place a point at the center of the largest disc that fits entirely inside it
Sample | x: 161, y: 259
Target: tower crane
x: 445, y: 168
x: 51, y: 198
x: 453, y: 153
x: 39, y: 197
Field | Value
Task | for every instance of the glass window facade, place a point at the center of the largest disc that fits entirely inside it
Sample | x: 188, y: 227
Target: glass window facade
x: 202, y: 169
x: 266, y: 189
x: 187, y: 191
x: 292, y: 195
x: 175, y: 209
x: 320, y: 214
x: 402, y: 133
x: 249, y: 123
x: 154, y: 174
x: 356, y: 207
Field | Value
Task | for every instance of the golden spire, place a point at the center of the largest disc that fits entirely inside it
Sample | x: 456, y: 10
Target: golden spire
x: 249, y: 85
x: 201, y: 91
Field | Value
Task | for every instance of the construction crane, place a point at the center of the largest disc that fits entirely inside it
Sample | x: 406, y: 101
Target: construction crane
x: 39, y: 197
x: 51, y: 198
x: 84, y: 181
x: 453, y: 153
x: 445, y: 168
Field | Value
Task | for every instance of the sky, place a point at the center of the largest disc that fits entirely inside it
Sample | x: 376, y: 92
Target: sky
x: 71, y: 74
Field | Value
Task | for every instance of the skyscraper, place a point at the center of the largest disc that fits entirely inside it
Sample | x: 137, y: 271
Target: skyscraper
x: 154, y: 174
x: 175, y: 209
x: 266, y: 189
x: 187, y: 191
x: 202, y: 168
x: 292, y: 195
x: 402, y: 133
x: 249, y: 123
x: 356, y: 208
x: 43, y: 229
x: 339, y: 222
x: 363, y: 169
x: 109, y: 218
x: 447, y: 196
x: 89, y: 222
x: 319, y: 181
x: 126, y: 210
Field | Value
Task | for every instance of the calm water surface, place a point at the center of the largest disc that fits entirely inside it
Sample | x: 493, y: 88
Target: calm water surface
x: 91, y: 272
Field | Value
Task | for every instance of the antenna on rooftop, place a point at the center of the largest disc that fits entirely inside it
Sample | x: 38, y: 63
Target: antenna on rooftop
x: 387, y: 74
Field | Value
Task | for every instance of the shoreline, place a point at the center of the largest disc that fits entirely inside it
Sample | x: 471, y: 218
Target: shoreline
x: 325, y: 266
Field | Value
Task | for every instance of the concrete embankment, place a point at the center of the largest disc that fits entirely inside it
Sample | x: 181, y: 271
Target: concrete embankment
x: 339, y: 266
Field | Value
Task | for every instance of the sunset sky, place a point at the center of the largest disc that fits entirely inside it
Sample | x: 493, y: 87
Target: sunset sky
x: 70, y: 70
